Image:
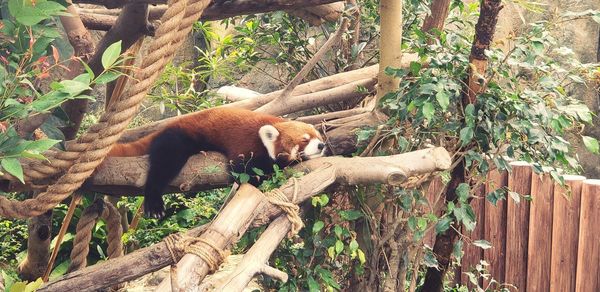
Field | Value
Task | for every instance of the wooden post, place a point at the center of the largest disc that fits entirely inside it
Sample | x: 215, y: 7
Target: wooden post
x: 517, y: 226
x: 588, y: 254
x: 435, y: 193
x: 566, y: 232
x: 495, y: 227
x: 474, y: 254
x: 539, y: 251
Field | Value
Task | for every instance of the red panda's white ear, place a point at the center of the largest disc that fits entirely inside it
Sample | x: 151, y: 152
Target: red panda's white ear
x: 268, y: 134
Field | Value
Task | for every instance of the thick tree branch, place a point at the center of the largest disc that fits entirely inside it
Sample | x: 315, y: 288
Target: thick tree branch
x: 98, y: 19
x: 246, y: 205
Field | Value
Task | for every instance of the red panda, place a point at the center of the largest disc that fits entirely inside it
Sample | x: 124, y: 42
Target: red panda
x: 247, y: 138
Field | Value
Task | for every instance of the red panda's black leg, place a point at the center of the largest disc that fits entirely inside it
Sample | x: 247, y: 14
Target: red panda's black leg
x: 169, y: 152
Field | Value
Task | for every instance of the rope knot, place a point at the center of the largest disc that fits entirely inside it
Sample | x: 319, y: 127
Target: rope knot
x: 292, y: 211
x: 179, y: 245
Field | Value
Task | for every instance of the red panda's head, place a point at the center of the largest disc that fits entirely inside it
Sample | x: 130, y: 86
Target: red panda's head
x: 292, y: 141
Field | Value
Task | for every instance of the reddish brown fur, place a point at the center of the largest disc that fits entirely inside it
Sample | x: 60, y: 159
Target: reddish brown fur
x: 236, y: 129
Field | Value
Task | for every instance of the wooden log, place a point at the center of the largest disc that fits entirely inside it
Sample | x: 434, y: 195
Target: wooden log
x: 495, y: 228
x: 117, y: 270
x: 565, y: 230
x: 539, y: 249
x: 254, y: 103
x: 256, y: 258
x: 234, y: 93
x: 325, y: 171
x: 325, y: 97
x: 517, y: 228
x: 474, y: 254
x: 588, y: 253
x: 150, y: 259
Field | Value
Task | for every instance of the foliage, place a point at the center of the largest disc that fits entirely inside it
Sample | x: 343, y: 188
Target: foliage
x: 526, y: 111
x: 28, y: 56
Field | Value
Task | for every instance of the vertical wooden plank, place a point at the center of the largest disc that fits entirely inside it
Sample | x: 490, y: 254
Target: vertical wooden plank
x: 473, y: 254
x: 495, y: 228
x: 539, y: 249
x: 517, y: 226
x: 588, y: 254
x: 435, y: 198
x: 565, y: 230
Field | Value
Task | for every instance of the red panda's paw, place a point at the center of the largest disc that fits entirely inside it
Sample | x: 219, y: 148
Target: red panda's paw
x: 154, y: 208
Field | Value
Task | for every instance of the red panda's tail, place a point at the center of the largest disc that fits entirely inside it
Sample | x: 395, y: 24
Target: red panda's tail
x: 136, y: 148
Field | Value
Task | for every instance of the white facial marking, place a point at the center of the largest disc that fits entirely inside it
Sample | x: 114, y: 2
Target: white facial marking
x: 312, y: 149
x: 294, y: 152
x: 268, y: 135
x: 306, y: 136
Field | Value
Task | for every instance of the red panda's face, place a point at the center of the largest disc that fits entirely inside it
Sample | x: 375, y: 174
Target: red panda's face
x: 292, y: 141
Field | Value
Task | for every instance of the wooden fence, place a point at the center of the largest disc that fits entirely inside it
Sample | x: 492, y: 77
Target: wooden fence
x: 551, y: 243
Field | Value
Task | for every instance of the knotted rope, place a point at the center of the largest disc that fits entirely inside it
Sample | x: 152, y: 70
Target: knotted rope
x: 89, y: 150
x: 83, y: 235
x: 181, y: 244
x: 292, y: 211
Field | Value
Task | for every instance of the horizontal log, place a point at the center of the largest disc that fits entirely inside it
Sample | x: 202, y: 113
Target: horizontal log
x: 98, y: 19
x: 324, y: 172
x: 253, y: 103
x: 233, y: 220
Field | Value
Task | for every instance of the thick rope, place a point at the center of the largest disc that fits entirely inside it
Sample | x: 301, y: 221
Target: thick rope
x: 83, y: 235
x: 279, y: 199
x: 96, y: 143
x: 114, y: 229
x: 155, y: 61
x: 179, y: 244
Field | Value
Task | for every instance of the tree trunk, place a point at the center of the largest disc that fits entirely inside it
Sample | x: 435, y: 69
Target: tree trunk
x: 484, y: 34
x: 390, y: 45
x: 38, y: 247
x: 437, y: 18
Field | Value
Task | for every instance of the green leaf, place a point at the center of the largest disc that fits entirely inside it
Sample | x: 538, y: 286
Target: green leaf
x: 338, y: 231
x: 74, y: 87
x: 258, y: 171
x: 443, y: 99
x: 442, y: 225
x: 331, y: 252
x: 13, y: 166
x: 466, y: 135
x: 591, y: 144
x: 111, y: 54
x: 484, y: 244
x: 428, y: 110
x: 59, y: 270
x: 244, y: 178
x: 41, y: 145
x: 350, y: 215
x: 415, y: 67
x: 457, y: 250
x: 596, y: 17
x: 107, y: 76
x: 318, y: 226
x: 430, y: 261
x: 313, y: 286
x: 339, y: 246
x: 361, y: 256
x: 353, y: 245
x: 462, y: 191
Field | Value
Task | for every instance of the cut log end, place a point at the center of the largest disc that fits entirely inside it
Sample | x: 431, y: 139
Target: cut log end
x: 396, y: 178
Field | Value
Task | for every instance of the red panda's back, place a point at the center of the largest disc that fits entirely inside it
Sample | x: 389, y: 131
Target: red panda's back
x: 232, y: 131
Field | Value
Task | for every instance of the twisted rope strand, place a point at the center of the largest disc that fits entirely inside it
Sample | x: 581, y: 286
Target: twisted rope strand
x: 176, y: 24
